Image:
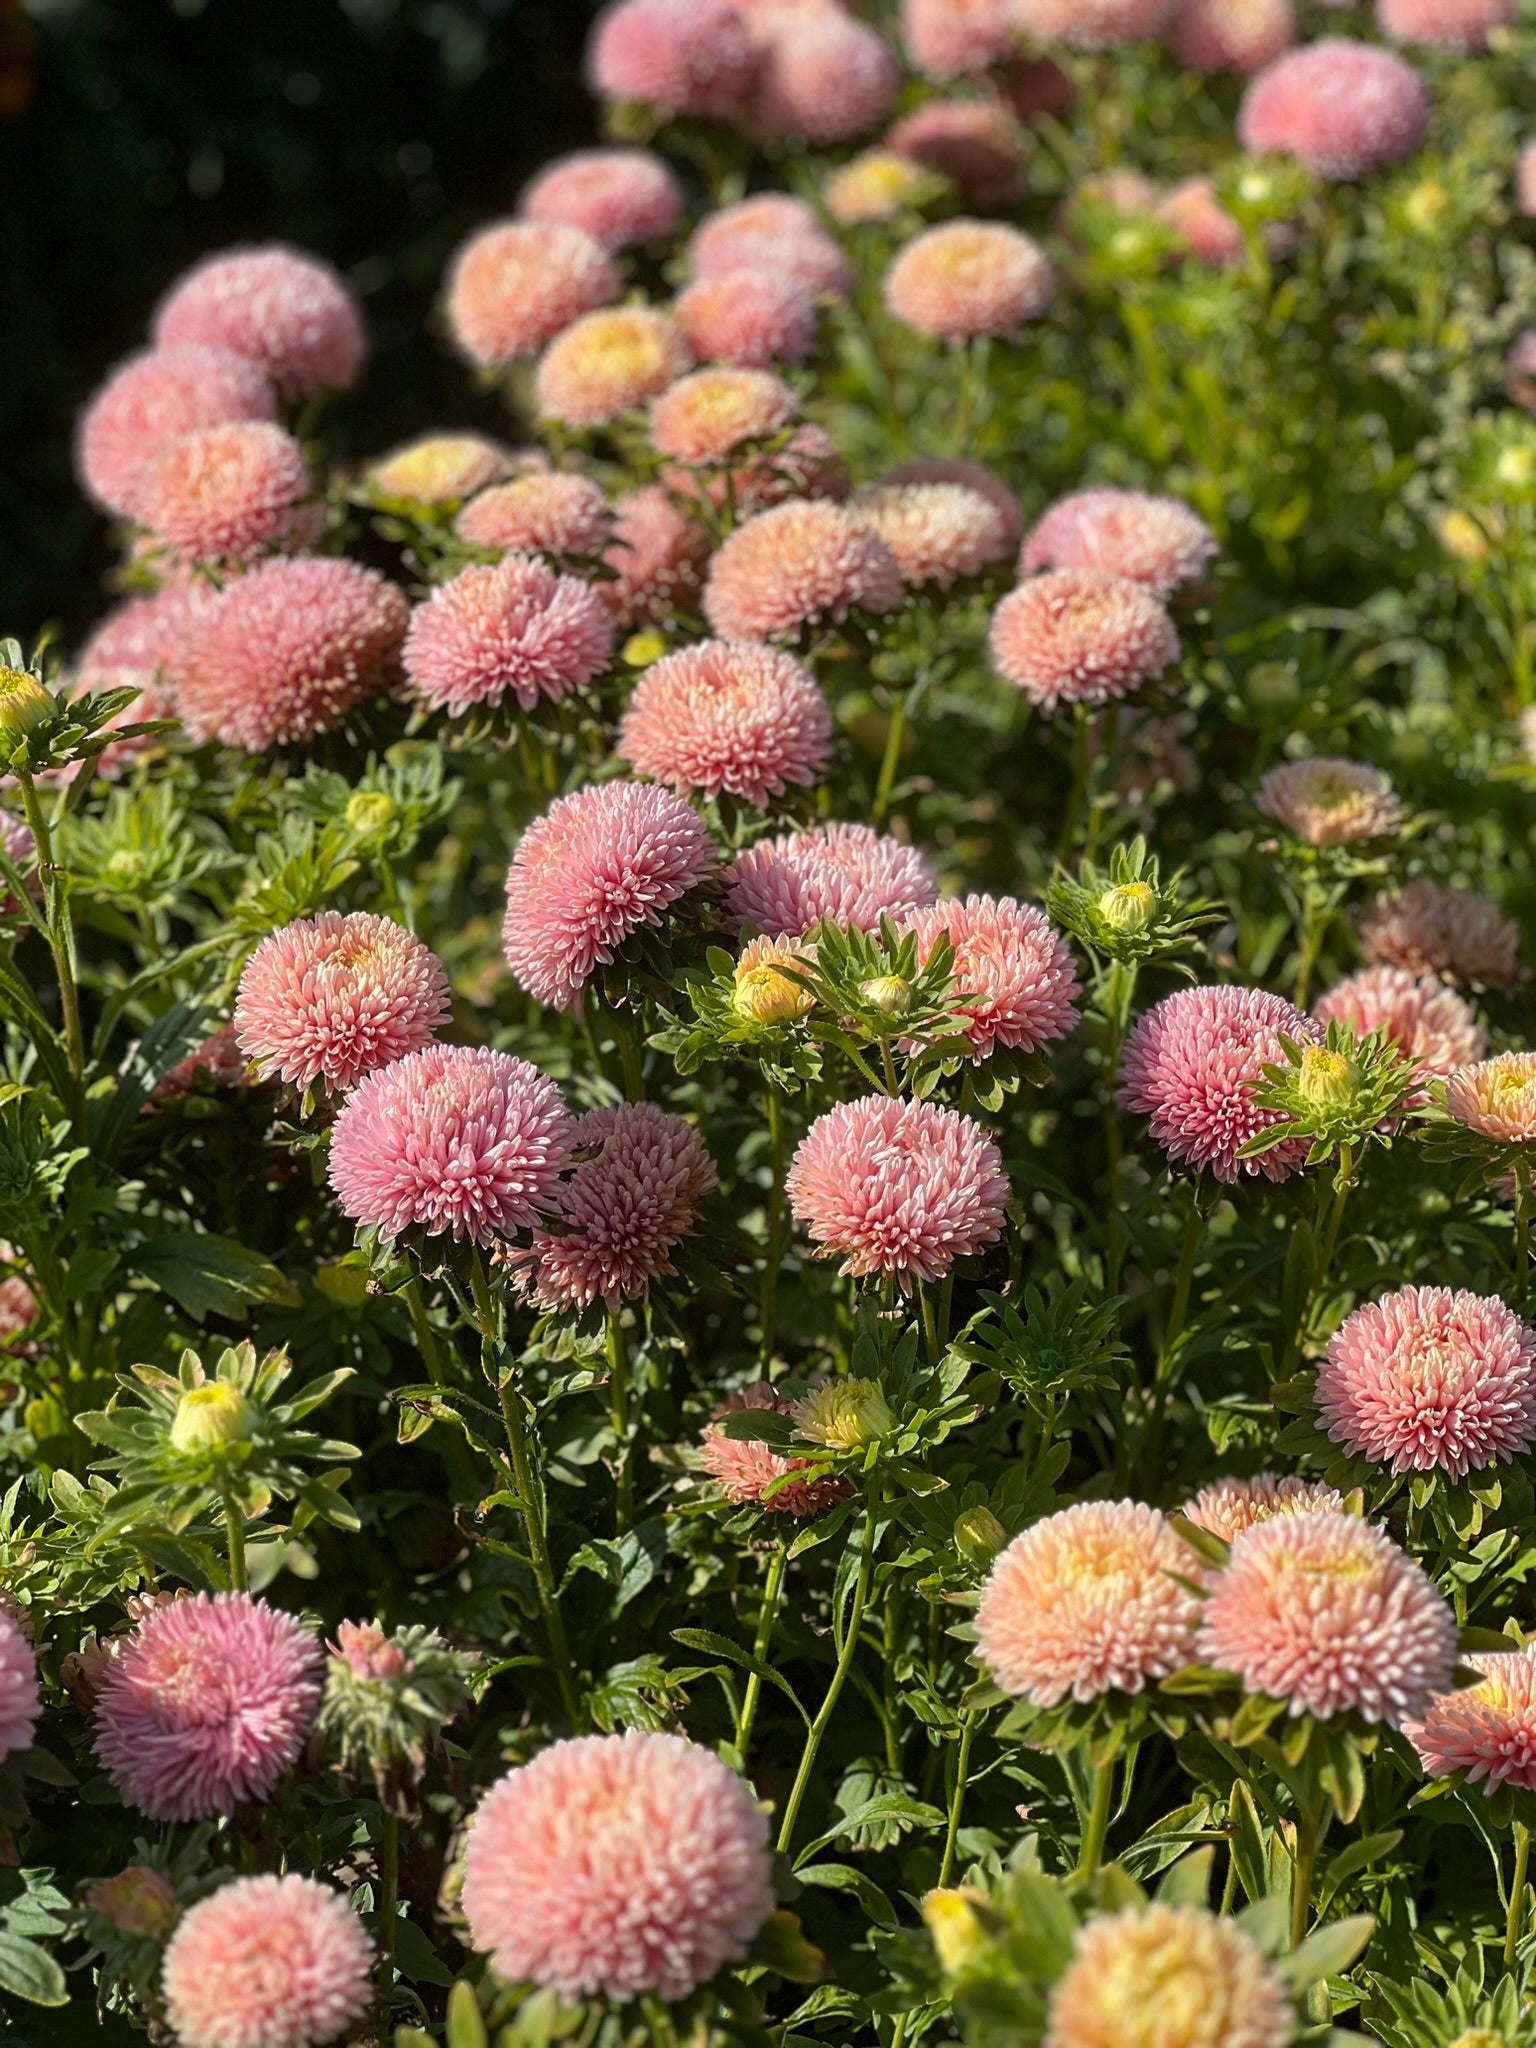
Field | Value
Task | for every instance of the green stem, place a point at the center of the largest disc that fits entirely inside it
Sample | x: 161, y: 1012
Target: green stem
x: 1097, y: 1825
x: 234, y: 1531
x: 1173, y: 1329
x: 389, y: 1899
x: 1517, y: 1894
x: 1522, y: 1230
x: 1082, y: 761
x: 1310, y: 940
x: 892, y: 1085
x: 618, y: 1399
x: 421, y: 1330
x: 1118, y: 996
x: 891, y: 759
x: 968, y: 1729
x: 629, y: 1059
x: 1342, y: 1183
x: 819, y: 1726
x: 773, y: 1593
x: 1311, y: 1826
x: 61, y: 943
x: 930, y: 1326
x: 773, y: 1251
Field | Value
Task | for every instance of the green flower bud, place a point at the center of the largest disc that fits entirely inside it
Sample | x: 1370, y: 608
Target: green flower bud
x: 1272, y: 686
x: 888, y: 994
x: 370, y: 812
x: 1130, y: 907
x: 1326, y: 1078
x: 211, y: 1416
x: 979, y: 1536
x: 24, y: 703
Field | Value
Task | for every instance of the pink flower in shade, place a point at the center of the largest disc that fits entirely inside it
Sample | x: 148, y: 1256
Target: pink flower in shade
x: 515, y: 286
x: 676, y: 56
x: 969, y: 277
x: 640, y: 1176
x: 1231, y: 35
x: 705, y: 418
x: 1431, y: 929
x: 1156, y: 541
x: 206, y: 1704
x: 748, y: 317
x: 1077, y: 636
x: 1015, y: 975
x: 1525, y: 181
x: 937, y: 532
x: 657, y: 556
x: 1425, y: 1380
x: 1433, y: 1027
x: 1329, y: 802
x: 1202, y: 224
x: 284, y: 310
x: 823, y: 74
x: 515, y: 630
x: 136, y: 647
x: 975, y: 477
x: 946, y: 38
x: 848, y: 873
x: 218, y: 1058
x: 617, y: 196
x: 18, y: 1304
x: 797, y: 564
x: 1229, y: 1506
x: 453, y: 1139
x: 1496, y: 1098
x: 1192, y: 1063
x: 974, y: 143
x: 1325, y: 1612
x: 724, y: 715
x: 1093, y: 24
x: 610, y: 362
x: 150, y: 401
x: 229, y: 493
x: 1162, y: 1976
x: 1460, y: 25
x: 596, y: 868
x: 444, y: 469
x: 330, y: 998
x: 1037, y: 85
x: 1485, y: 1731
x: 1085, y: 1603
x: 748, y: 1472
x: 1341, y: 108
x: 551, y: 512
x: 1520, y: 371
x: 20, y: 1701
x: 900, y: 1188
x: 287, y: 651
x: 776, y: 235
x: 268, y: 1962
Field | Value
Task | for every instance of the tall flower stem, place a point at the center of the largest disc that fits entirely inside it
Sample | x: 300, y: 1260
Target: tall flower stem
x: 773, y: 1593
x: 819, y: 1726
x: 1173, y: 1329
x: 618, y: 1408
x: 234, y: 1534
x: 890, y: 761
x: 421, y: 1330
x: 389, y: 1900
x: 1516, y: 1914
x: 1096, y: 1826
x: 1119, y: 993
x: 968, y: 1727
x: 1311, y: 1826
x: 61, y: 944
x: 773, y: 1250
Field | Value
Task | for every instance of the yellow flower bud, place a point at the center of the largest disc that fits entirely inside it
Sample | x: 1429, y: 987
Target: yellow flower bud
x: 888, y: 994
x: 1130, y: 907
x: 211, y: 1416
x: 1327, y: 1078
x: 641, y: 649
x: 979, y: 1536
x: 1461, y: 536
x: 1427, y: 205
x: 370, y: 812
x: 764, y: 993
x: 845, y: 1415
x: 24, y: 703
x: 955, y: 1929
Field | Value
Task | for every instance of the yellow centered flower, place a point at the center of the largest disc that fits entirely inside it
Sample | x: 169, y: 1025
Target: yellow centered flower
x: 764, y: 993
x: 210, y: 1416
x: 845, y: 1415
x: 24, y: 703
x: 1326, y: 1077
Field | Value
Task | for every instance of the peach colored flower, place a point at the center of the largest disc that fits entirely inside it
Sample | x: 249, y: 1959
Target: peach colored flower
x: 283, y: 309
x: 706, y: 417
x: 1077, y: 636
x: 1231, y: 35
x: 516, y: 285
x: 229, y: 493
x: 1433, y: 1027
x: 1093, y: 24
x: 1330, y: 802
x: 1488, y: 1730
x: 677, y: 56
x: 549, y: 512
x: 1015, y: 974
x: 749, y: 316
x: 268, y: 1962
x: 1168, y: 1977
x: 1460, y: 25
x: 444, y: 469
x: 1342, y: 108
x: 795, y: 565
x: 1156, y: 541
x: 967, y: 278
x: 617, y: 196
x: 946, y: 38
x: 937, y: 532
x: 745, y: 1470
x: 1229, y: 1506
x: 1430, y: 929
x: 822, y: 73
x: 724, y: 715
x: 1496, y: 1098
x: 150, y: 401
x: 609, y: 362
x: 656, y: 555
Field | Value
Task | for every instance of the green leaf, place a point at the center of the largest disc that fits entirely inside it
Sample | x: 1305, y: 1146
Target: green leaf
x: 897, y: 1806
x: 781, y: 1946
x: 842, y: 1877
x: 1327, y: 1953
x: 466, y: 2029
x: 29, y: 1972
x: 714, y: 1645
x: 1359, y: 1854
x: 1250, y: 1858
x: 207, y: 1275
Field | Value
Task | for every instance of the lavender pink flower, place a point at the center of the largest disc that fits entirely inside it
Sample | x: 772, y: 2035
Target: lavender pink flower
x: 1077, y: 636
x: 149, y: 402
x: 1152, y: 540
x: 848, y: 873
x: 723, y: 715
x: 692, y: 57
x: 1015, y: 975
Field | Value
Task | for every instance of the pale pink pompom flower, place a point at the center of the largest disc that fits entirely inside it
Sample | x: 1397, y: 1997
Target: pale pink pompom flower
x: 969, y: 277
x: 1231, y: 35
x: 822, y: 73
x: 1161, y: 1976
x: 1086, y: 1602
x: 897, y: 1188
x: 619, y: 1864
x: 748, y: 1472
x: 1427, y: 1380
x: 610, y: 362
x: 1325, y: 1612
x: 283, y: 309
x: 453, y: 1139
x: 724, y: 715
x: 268, y: 1962
x: 330, y: 998
x: 20, y: 1700
x: 1485, y: 1731
x: 287, y: 651
x: 1202, y: 224
x: 777, y: 235
x: 514, y: 286
x: 136, y: 647
x: 1152, y: 540
x: 229, y: 493
x: 1018, y: 985
x: 1431, y: 929
x: 619, y: 197
x: 550, y: 512
x: 1330, y: 802
x: 1460, y: 25
x: 632, y: 1198
x: 206, y: 1705
x: 150, y: 401
x: 1431, y: 1025
x: 1341, y: 108
x: 1192, y: 1063
x: 748, y: 317
x: 677, y: 56
x: 947, y: 38
x: 599, y: 866
x: 848, y: 873
x: 444, y: 469
x: 976, y: 144
x: 1077, y: 636
x: 656, y: 555
x: 1496, y: 1098
x: 19, y: 1306
x: 795, y: 565
x: 710, y: 415
x: 1229, y: 1506
x: 937, y: 532
x: 975, y: 477
x: 1525, y: 181
x: 1093, y: 24
x: 516, y: 630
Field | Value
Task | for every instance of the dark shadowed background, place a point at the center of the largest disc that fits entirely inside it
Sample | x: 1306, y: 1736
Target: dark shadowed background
x: 135, y: 135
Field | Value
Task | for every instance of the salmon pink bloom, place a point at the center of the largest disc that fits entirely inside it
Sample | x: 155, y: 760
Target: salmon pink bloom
x: 1460, y: 25
x: 282, y: 309
x: 1093, y: 24
x: 692, y: 57
x: 547, y: 512
x: 749, y: 317
x: 149, y: 402
x: 1330, y: 802
x: 1485, y: 1731
x: 708, y: 416
x: 749, y: 1472
x: 228, y: 494
x: 724, y: 715
x: 822, y: 73
x: 609, y: 362
x: 969, y: 277
x: 1341, y: 108
x: 1430, y: 929
x: 656, y: 555
x: 268, y: 1962
x: 937, y: 532
x: 1156, y: 541
x: 1077, y: 636
x: 1229, y: 1506
x: 1015, y: 975
x: 848, y: 873
x: 617, y: 196
x: 1231, y: 35
x: 513, y: 631
x: 1431, y: 1025
x: 795, y: 565
x: 946, y: 38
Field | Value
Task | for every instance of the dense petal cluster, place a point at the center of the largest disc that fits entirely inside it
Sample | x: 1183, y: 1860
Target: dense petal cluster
x: 1330, y: 802
x: 1430, y: 1024
x: 608, y: 362
x: 776, y: 235
x: 848, y: 873
x: 937, y: 532
x: 268, y: 1962
x: 1461, y: 25
x: 20, y: 1700
x: 514, y: 630
x: 728, y: 715
x: 1342, y: 108
x: 284, y: 310
x: 617, y: 196
x: 228, y: 493
x: 945, y: 38
x: 656, y: 556
x: 1486, y: 1731
x: 547, y: 512
x: 1229, y: 1506
x: 1077, y: 636
x: 1231, y: 35
x: 1156, y: 541
x: 823, y: 74
x: 752, y: 1474
x: 974, y: 476
x: 1496, y: 1098
x: 676, y: 56
x: 750, y: 317
x: 514, y: 286
x: 969, y: 277
x: 1168, y: 1977
x: 708, y: 416
x: 1430, y: 929
x: 1093, y: 24
x: 794, y: 565
x: 1014, y: 972
x: 149, y: 402
x: 445, y: 469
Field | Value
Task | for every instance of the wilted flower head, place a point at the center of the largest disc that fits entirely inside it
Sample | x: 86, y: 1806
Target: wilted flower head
x: 976, y: 144
x: 969, y: 277
x: 596, y: 868
x: 1164, y: 1976
x: 1201, y: 223
x: 796, y: 564
x: 747, y: 1471
x: 268, y: 1962
x: 1086, y: 1603
x: 445, y: 469
x: 1325, y: 1612
x: 946, y: 38
x: 1443, y: 24
x: 20, y: 1701
x: 848, y: 873
x: 609, y: 362
x: 387, y: 1697
x: 844, y: 1415
x: 206, y: 1705
x: 1231, y: 35
x: 1093, y: 24
x: 1496, y: 1098
x: 330, y: 998
x: 619, y: 1864
x: 1433, y: 1027
x: 776, y: 234
x: 1015, y: 974
x: 547, y: 512
x: 1342, y: 108
x: 676, y: 56
x: 901, y: 1188
x: 228, y: 493
x: 283, y: 309
x: 1192, y: 1064
x: 617, y: 196
x: 974, y: 476
x: 657, y: 555
x: 1156, y: 541
x: 513, y: 630
x: 149, y: 402
x: 1330, y: 802
x: 876, y: 185
x: 707, y: 416
x: 1430, y: 929
x: 1229, y: 1506
x: 514, y: 286
x: 1488, y: 1730
x: 728, y: 715
x: 1077, y: 636
x: 937, y: 532
x: 138, y: 1901
x: 750, y: 317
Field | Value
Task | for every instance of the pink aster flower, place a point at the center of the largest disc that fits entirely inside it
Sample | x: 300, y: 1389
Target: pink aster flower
x: 136, y: 647
x: 1093, y: 24
x: 1202, y: 224
x: 18, y: 1304
x: 515, y: 630
x: 1485, y: 1731
x: 1163, y: 1976
x: 514, y: 286
x: 20, y: 1701
x: 330, y: 998
x: 150, y: 401
x: 1156, y: 541
x: 748, y: 317
x: 822, y: 73
x: 1430, y: 929
x: 748, y: 1473
x: 1016, y: 977
x: 268, y: 1962
x: 848, y: 873
x: 206, y: 1704
x: 610, y: 362
x: 229, y: 493
x: 633, y: 1197
x: 549, y: 512
x: 1192, y: 1063
x: 976, y: 144
x: 724, y: 715
x: 1229, y: 1506
x: 619, y: 197
x: 1231, y: 35
x: 287, y: 651
x: 937, y: 532
x: 1330, y: 802
x: 619, y: 1864
x: 596, y: 868
x: 946, y: 38
x: 1077, y: 636
x: 657, y: 556
x: 1086, y: 1603
x: 284, y: 310
x: 218, y: 1059
x: 775, y: 235
x: 902, y: 1188
x: 974, y: 476
x: 1341, y: 108
x: 676, y: 56
x: 444, y: 469
x: 1425, y: 1380
x: 1433, y: 1027
x: 1496, y: 1098
x: 451, y: 1139
x: 807, y: 465
x: 1460, y: 25
x: 1325, y: 1612
x: 969, y: 277
x: 797, y: 564
x: 707, y: 417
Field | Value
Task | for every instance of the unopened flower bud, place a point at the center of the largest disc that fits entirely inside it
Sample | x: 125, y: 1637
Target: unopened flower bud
x: 955, y: 1929
x: 845, y: 1415
x: 1327, y: 1078
x: 1480, y: 2037
x: 1516, y: 467
x: 979, y: 1536
x: 137, y: 1901
x: 211, y: 1416
x: 641, y: 649
x: 369, y: 1653
x: 888, y: 994
x: 764, y: 993
x: 1129, y: 907
x: 1461, y: 536
x: 387, y: 1697
x: 370, y: 812
x: 24, y: 703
